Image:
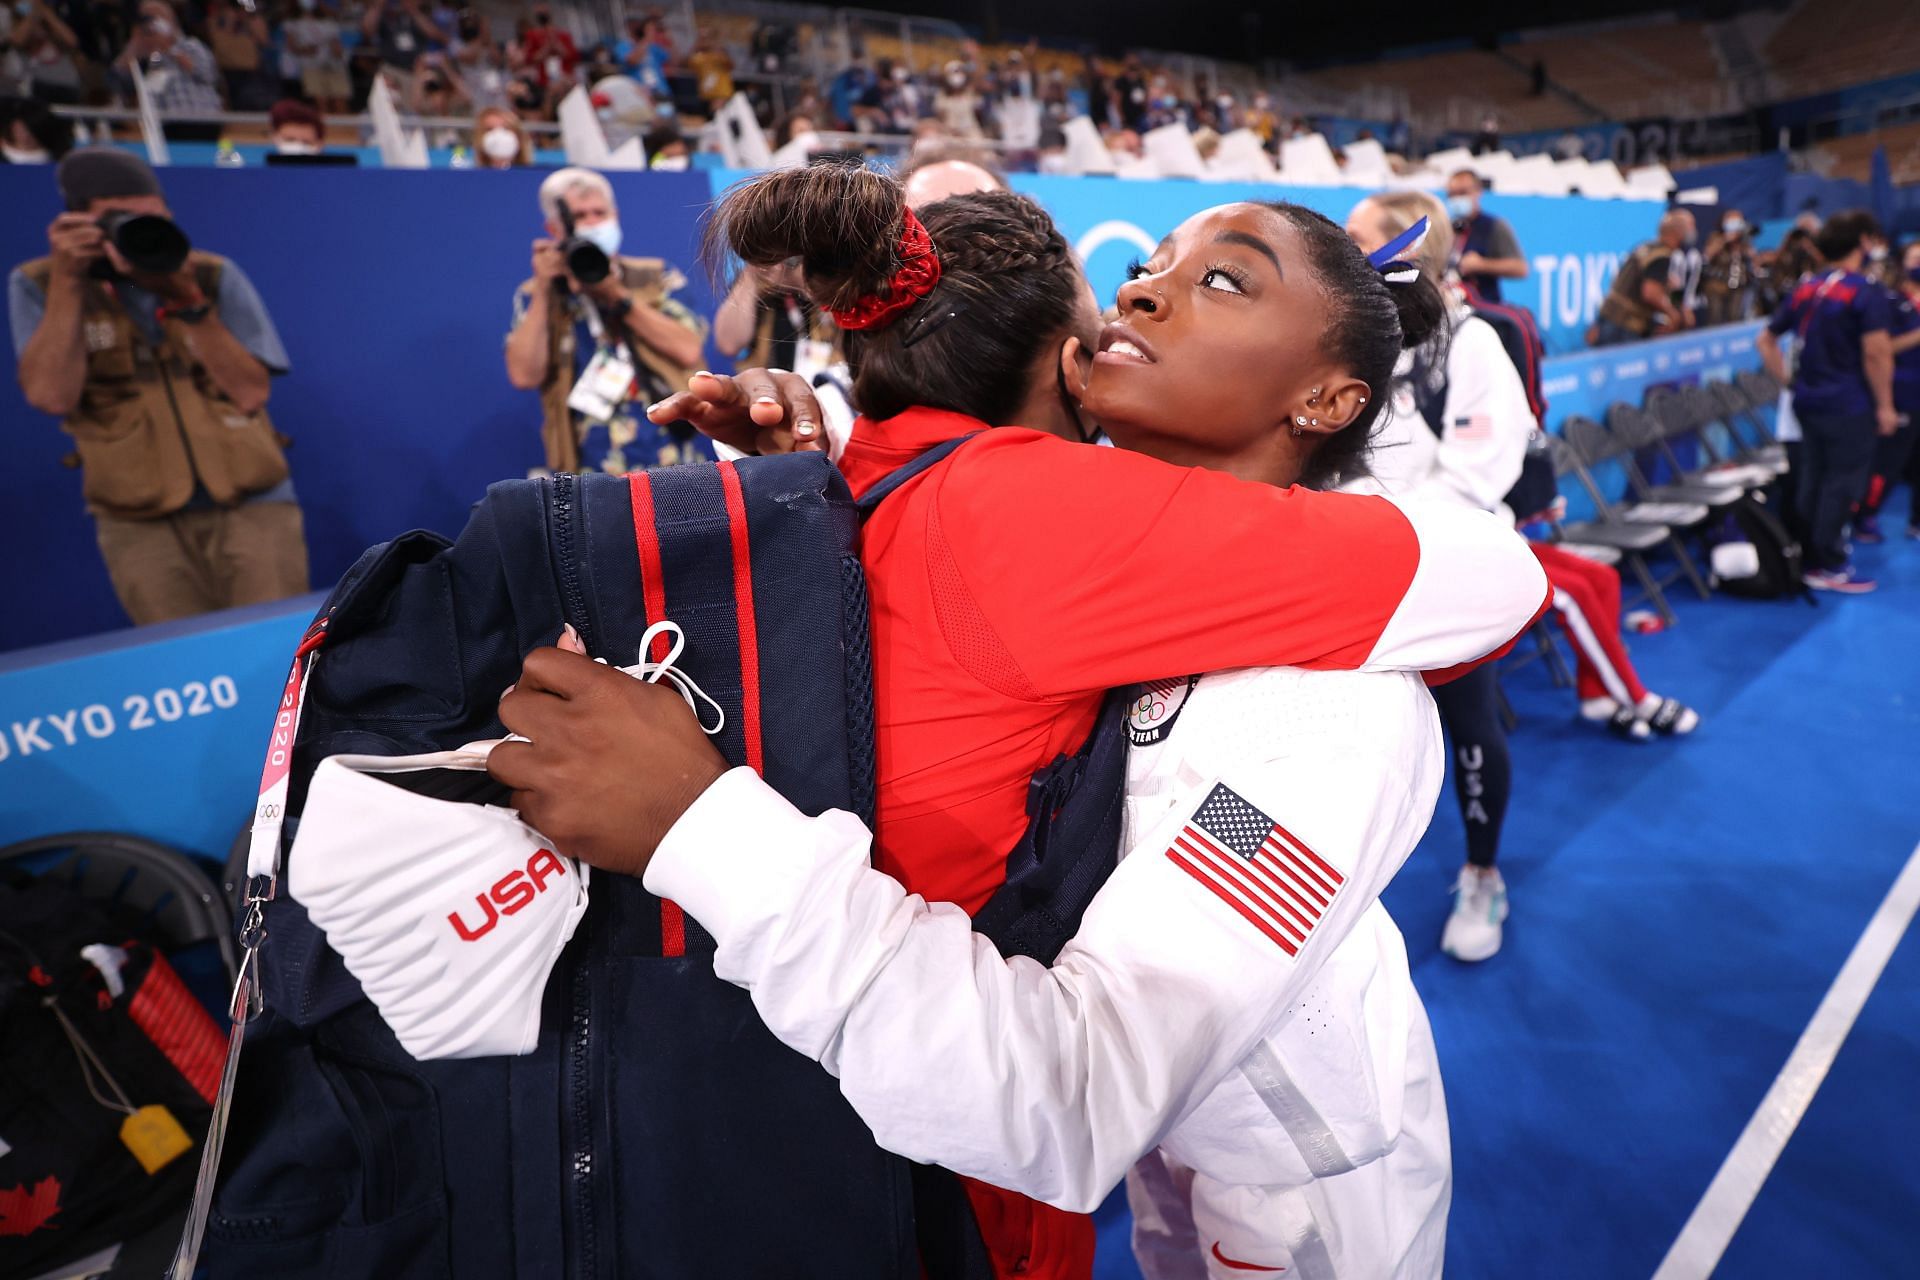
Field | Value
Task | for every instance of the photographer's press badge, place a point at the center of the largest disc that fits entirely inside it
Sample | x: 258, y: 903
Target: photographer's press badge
x: 604, y: 385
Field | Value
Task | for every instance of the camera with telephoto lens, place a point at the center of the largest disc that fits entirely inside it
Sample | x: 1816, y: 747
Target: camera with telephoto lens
x: 150, y: 243
x: 586, y: 261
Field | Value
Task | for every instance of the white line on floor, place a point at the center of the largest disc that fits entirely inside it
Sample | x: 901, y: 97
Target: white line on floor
x: 1702, y: 1241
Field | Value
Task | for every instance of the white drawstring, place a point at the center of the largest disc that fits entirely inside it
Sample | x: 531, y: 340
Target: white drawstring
x: 651, y: 672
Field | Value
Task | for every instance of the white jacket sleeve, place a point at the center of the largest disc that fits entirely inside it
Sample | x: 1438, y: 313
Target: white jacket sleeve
x: 1487, y: 418
x: 1048, y: 1081
x: 1477, y: 585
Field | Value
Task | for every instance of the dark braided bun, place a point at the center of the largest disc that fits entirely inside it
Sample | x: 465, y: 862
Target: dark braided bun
x: 840, y: 220
x: 1002, y: 260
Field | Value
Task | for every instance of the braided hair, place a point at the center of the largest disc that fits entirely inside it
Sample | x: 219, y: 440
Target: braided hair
x: 1008, y: 277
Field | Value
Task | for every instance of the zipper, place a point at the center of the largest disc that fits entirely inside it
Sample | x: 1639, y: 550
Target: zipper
x: 582, y: 1249
x: 584, y: 1252
x: 573, y: 599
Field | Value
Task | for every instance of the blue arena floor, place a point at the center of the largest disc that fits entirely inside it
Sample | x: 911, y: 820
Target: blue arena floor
x: 1680, y: 908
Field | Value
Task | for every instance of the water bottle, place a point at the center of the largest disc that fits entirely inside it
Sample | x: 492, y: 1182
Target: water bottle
x: 462, y: 159
x: 228, y: 158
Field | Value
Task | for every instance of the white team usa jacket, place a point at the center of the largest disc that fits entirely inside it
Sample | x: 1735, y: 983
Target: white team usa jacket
x: 1236, y: 996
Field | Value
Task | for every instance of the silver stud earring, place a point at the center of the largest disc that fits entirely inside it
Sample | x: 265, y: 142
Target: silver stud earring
x: 1316, y: 422
x: 1300, y: 421
x: 1363, y: 399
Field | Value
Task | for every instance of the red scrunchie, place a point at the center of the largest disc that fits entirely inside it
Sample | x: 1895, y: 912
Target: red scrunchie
x: 919, y: 272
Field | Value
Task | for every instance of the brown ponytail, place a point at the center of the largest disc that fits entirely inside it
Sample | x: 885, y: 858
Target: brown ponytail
x: 1008, y: 277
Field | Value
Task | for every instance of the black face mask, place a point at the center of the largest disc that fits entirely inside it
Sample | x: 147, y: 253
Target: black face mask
x: 541, y: 19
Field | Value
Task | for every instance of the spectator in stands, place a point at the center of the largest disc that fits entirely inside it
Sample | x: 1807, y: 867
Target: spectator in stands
x: 1641, y: 303
x: 712, y: 67
x: 667, y: 149
x: 1895, y: 455
x: 438, y: 91
x: 550, y: 52
x: 478, y: 60
x: 1489, y: 253
x: 956, y: 103
x: 317, y: 56
x: 180, y: 71
x: 239, y: 39
x: 1842, y: 391
x: 1729, y: 270
x: 500, y: 141
x: 1488, y: 139
x: 50, y: 51
x: 599, y: 353
x: 645, y: 53
x: 182, y: 471
x: 1261, y: 119
x: 31, y: 134
x: 297, y: 129
x: 796, y: 127
x: 400, y: 30
x: 846, y: 92
x: 527, y: 98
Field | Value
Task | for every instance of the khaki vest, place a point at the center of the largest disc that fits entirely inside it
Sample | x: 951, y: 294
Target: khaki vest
x: 646, y: 283
x: 1623, y: 304
x: 150, y: 419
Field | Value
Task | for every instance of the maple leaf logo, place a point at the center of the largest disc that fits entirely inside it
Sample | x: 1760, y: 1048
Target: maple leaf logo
x: 24, y: 1212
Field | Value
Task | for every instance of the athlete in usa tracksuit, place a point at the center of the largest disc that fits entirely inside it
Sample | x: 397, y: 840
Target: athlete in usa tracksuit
x: 1251, y: 1039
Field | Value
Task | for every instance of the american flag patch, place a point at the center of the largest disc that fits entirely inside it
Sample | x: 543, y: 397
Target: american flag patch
x: 1475, y: 426
x: 1257, y: 867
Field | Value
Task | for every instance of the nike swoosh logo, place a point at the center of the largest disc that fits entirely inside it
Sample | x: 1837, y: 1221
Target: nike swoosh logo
x: 1225, y: 1261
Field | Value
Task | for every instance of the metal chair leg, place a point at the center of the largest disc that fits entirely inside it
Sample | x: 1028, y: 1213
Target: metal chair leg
x: 1650, y: 588
x: 1556, y: 665
x: 1688, y: 567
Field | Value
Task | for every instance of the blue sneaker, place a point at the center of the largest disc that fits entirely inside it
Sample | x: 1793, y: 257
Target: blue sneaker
x: 1847, y: 580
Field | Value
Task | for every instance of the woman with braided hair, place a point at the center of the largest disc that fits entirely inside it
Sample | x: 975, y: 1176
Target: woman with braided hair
x: 1012, y: 584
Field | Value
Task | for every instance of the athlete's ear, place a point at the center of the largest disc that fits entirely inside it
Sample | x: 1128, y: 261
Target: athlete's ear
x: 1074, y: 364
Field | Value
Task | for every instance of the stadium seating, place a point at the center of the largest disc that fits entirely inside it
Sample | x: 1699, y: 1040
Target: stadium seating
x: 1851, y: 155
x: 1831, y: 44
x: 1629, y: 72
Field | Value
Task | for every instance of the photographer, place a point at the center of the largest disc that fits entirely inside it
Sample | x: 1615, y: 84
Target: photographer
x: 1730, y: 271
x: 599, y: 350
x: 160, y: 372
x: 1643, y: 301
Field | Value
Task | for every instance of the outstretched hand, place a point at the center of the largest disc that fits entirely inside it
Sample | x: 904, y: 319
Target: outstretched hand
x: 610, y: 764
x: 754, y: 411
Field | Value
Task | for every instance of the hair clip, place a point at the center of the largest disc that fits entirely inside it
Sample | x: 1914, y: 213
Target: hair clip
x: 1388, y: 259
x: 930, y: 323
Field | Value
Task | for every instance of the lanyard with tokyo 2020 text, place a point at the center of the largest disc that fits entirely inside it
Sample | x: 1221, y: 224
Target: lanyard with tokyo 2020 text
x: 263, y: 878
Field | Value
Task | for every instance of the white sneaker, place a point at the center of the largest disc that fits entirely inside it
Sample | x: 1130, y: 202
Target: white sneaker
x: 1479, y: 907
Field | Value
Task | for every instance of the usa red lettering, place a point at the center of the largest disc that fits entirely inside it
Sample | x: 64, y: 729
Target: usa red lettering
x: 513, y: 892
x: 544, y: 864
x: 474, y: 935
x: 509, y: 895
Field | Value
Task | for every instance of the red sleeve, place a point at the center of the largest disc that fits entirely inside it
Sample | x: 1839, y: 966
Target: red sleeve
x: 1060, y: 569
